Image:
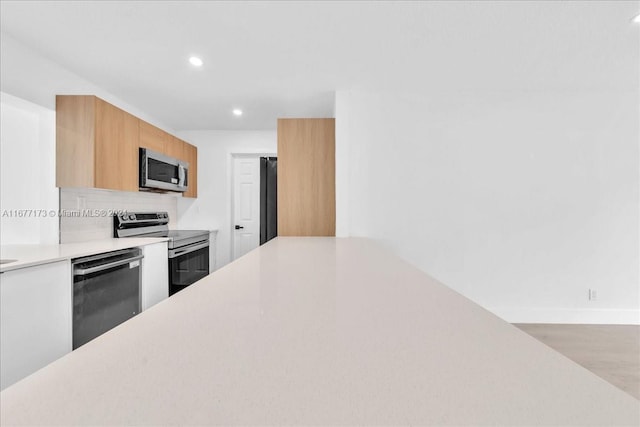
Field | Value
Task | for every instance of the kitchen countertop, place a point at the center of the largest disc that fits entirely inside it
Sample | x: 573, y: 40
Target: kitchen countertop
x: 30, y: 255
x: 316, y: 331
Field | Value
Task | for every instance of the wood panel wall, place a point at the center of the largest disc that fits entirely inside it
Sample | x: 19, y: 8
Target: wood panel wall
x: 306, y: 177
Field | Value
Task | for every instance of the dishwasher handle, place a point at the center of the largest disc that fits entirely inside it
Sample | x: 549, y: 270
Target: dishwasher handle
x: 84, y: 271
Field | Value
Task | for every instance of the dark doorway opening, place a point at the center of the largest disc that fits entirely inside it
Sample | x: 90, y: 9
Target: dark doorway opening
x: 268, y: 198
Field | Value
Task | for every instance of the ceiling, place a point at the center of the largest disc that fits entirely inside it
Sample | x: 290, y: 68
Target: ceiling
x: 286, y: 59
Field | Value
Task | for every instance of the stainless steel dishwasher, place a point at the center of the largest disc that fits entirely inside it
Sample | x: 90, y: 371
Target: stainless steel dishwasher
x: 106, y: 292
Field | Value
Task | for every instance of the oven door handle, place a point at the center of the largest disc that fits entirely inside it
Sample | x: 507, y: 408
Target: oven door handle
x: 174, y: 253
x: 85, y: 271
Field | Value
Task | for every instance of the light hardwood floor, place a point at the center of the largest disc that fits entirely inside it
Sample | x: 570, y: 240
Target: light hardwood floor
x: 610, y: 351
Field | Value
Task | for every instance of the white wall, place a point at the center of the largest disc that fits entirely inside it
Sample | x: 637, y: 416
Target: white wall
x: 520, y: 201
x: 28, y: 193
x: 212, y: 209
x: 30, y: 75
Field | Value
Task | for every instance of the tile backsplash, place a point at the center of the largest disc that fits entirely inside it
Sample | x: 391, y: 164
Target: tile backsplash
x: 87, y: 213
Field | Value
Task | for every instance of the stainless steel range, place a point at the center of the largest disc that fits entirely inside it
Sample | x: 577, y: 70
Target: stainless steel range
x: 188, y: 254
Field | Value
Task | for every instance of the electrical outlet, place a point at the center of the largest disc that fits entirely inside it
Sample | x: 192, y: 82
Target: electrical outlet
x: 593, y: 295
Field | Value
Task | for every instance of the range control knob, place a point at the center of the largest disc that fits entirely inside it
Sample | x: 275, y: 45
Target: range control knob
x: 132, y: 217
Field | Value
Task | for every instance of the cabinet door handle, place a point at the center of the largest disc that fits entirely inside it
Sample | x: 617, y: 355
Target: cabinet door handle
x: 239, y: 227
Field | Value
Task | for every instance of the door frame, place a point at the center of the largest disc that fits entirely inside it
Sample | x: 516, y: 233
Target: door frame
x: 231, y: 158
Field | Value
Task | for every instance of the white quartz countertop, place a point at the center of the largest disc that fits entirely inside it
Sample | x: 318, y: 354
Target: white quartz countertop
x: 316, y: 331
x: 30, y: 255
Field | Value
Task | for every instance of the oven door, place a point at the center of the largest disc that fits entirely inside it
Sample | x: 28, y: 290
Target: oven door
x: 187, y: 265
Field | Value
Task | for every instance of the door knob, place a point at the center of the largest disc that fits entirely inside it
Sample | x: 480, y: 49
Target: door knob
x: 238, y: 227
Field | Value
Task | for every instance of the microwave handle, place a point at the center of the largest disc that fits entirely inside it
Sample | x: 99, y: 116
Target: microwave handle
x: 181, y: 175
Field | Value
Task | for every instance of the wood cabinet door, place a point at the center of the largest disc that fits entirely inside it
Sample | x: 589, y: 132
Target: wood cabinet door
x: 175, y: 148
x: 75, y: 133
x: 116, y: 148
x: 191, y: 156
x: 306, y: 177
x: 153, y: 138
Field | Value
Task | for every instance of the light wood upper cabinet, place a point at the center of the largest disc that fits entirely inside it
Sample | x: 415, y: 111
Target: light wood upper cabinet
x: 153, y: 138
x: 96, y: 144
x: 116, y: 148
x: 306, y: 177
x: 191, y: 156
x: 175, y: 148
x: 75, y: 135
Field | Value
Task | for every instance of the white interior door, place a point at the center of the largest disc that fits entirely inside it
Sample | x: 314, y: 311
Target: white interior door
x: 246, y: 205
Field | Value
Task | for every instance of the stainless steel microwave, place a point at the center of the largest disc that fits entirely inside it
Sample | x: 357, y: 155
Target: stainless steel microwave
x: 161, y: 172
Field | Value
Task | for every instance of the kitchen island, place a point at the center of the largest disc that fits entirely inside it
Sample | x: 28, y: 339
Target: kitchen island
x: 316, y: 331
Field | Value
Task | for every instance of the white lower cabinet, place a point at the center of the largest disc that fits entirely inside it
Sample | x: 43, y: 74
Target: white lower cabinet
x: 155, y: 274
x: 35, y: 319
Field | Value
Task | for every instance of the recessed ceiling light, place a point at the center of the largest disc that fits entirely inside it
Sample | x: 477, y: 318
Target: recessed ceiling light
x: 237, y: 112
x: 637, y: 19
x: 195, y: 61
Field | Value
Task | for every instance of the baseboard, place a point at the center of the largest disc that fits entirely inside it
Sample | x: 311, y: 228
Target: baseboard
x: 581, y: 316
